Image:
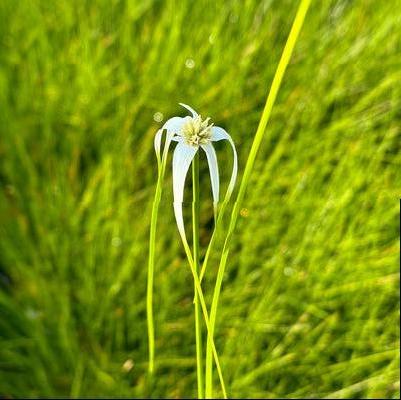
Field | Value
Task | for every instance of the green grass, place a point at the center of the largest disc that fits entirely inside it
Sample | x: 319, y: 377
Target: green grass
x: 310, y: 299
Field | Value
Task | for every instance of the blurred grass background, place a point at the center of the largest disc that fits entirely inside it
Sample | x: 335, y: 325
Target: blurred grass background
x: 310, y: 302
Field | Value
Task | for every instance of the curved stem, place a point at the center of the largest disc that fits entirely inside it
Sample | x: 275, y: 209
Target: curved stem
x: 283, y: 63
x: 204, y: 311
x: 198, y: 315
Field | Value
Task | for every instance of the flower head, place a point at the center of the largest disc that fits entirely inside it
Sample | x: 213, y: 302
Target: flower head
x: 191, y: 133
x: 196, y: 131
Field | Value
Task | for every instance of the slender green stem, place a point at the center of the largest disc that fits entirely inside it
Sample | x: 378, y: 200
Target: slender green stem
x: 285, y: 58
x: 213, y: 237
x: 151, y: 267
x: 204, y: 311
x: 161, y: 168
x: 198, y: 312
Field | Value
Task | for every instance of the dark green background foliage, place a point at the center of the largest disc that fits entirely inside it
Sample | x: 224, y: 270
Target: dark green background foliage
x: 310, y: 301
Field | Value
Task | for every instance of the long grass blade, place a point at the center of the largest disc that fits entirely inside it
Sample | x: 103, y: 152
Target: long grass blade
x: 271, y: 98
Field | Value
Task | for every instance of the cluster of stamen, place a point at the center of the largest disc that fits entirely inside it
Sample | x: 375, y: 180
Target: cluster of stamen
x: 197, y: 131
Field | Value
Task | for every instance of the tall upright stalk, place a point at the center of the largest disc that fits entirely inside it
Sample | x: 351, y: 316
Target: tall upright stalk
x: 151, y: 267
x: 278, y: 77
x: 198, y: 311
x: 161, y: 169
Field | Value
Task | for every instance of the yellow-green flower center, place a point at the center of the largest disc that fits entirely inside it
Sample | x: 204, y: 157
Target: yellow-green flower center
x: 197, y: 131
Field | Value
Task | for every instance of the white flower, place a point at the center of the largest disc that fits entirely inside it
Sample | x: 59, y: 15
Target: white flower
x: 193, y: 133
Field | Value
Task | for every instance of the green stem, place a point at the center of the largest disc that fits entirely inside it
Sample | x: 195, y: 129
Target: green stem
x: 161, y: 168
x: 204, y: 310
x: 198, y: 315
x: 285, y: 58
x: 151, y: 267
x: 213, y: 237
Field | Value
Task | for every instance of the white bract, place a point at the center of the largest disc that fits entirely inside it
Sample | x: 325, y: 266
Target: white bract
x: 193, y: 133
